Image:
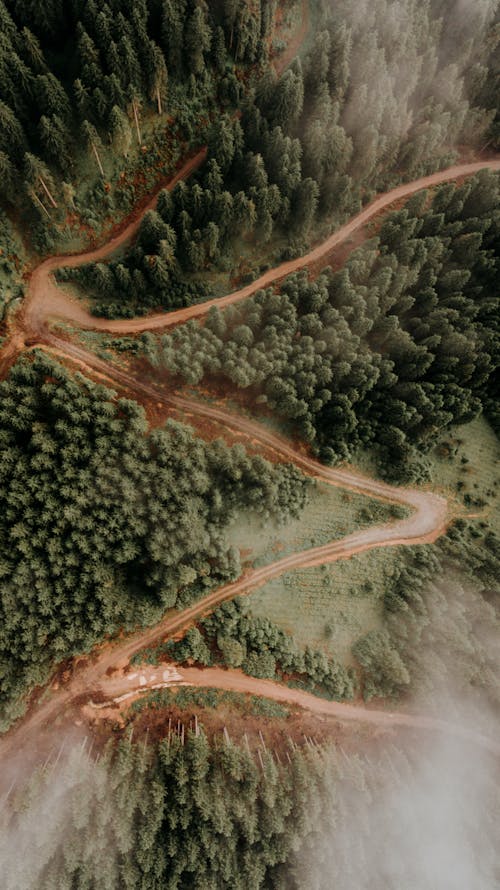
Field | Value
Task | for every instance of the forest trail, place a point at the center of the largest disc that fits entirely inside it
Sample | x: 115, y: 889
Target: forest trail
x: 146, y: 677
x: 45, y: 300
x: 426, y: 523
x: 298, y: 38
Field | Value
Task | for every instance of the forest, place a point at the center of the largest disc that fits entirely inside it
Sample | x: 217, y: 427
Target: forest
x: 81, y: 80
x: 107, y: 521
x: 233, y: 637
x: 310, y: 146
x: 389, y: 660
x: 184, y: 814
x: 387, y: 351
x: 106, y: 525
x: 193, y: 813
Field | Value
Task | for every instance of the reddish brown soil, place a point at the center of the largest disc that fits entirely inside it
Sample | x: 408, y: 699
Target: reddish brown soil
x: 45, y: 300
x: 428, y: 520
x: 311, y: 705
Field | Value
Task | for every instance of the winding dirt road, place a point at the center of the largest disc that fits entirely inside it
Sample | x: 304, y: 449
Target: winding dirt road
x: 427, y: 521
x: 45, y: 300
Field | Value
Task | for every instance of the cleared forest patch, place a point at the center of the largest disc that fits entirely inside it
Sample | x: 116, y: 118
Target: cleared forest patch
x: 330, y: 514
x: 329, y: 607
x: 466, y: 461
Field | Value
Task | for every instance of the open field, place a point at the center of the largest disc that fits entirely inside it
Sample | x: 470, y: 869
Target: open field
x: 466, y: 462
x: 329, y: 607
x: 330, y: 514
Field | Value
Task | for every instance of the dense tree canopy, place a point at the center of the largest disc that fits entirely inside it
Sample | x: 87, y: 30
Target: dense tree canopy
x: 397, y: 345
x: 102, y: 524
x: 182, y: 815
x: 88, y: 75
x: 383, y: 95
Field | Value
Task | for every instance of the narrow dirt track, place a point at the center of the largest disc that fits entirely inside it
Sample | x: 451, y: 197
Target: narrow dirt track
x: 424, y: 525
x: 127, y: 687
x: 46, y: 301
x: 297, y: 40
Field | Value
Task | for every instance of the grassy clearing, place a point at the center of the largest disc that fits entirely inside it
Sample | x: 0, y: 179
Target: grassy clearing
x: 330, y: 514
x: 331, y: 606
x: 466, y: 463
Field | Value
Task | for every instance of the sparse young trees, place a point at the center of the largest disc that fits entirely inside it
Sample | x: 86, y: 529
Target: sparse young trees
x: 262, y: 650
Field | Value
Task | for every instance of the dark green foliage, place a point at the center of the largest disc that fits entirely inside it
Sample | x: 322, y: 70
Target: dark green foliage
x: 11, y: 257
x: 82, y: 66
x: 315, y: 141
x: 209, y: 698
x: 177, y: 816
x: 212, y: 816
x: 384, y: 673
x: 388, y: 351
x: 262, y: 650
x: 103, y: 525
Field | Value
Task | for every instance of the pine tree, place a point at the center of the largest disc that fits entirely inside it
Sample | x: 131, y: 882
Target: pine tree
x: 219, y: 54
x: 88, y: 58
x: 33, y: 50
x: 94, y: 143
x: 8, y: 176
x: 38, y: 177
x: 158, y: 76
x: 121, y: 134
x: 51, y: 96
x: 12, y: 138
x: 221, y: 142
x: 82, y: 99
x: 305, y: 202
x: 130, y: 67
x: 198, y: 38
x: 53, y: 136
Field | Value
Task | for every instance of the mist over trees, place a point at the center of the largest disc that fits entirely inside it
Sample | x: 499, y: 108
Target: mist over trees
x: 383, y: 95
x: 105, y: 524
x: 187, y: 813
x: 397, y: 345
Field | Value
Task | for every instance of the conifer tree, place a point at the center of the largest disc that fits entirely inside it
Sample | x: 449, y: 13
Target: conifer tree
x: 121, y: 134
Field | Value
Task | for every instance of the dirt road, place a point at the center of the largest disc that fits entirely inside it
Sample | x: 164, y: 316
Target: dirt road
x: 132, y: 685
x: 294, y: 44
x: 424, y: 525
x: 46, y: 301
